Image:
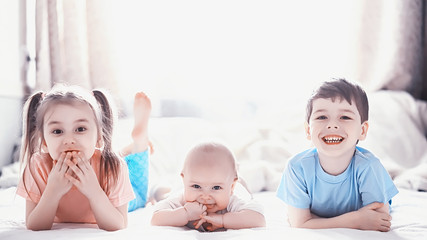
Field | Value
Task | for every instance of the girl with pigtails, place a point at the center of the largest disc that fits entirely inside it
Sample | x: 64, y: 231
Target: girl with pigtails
x: 71, y: 173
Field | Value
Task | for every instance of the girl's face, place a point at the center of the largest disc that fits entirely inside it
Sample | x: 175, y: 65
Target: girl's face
x: 211, y: 183
x: 70, y: 127
x: 335, y: 126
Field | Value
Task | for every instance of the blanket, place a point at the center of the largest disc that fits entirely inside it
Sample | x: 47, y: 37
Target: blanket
x: 409, y: 213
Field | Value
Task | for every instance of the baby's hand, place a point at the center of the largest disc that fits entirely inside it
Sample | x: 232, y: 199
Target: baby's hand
x: 216, y: 221
x: 372, y: 219
x: 194, y: 210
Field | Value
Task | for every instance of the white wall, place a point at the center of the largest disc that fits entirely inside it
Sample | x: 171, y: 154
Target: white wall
x: 10, y: 84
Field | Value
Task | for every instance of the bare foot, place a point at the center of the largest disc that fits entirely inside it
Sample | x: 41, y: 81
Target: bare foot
x: 141, y: 112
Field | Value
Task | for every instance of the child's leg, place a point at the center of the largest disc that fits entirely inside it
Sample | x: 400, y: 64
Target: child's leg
x: 141, y: 112
x: 137, y: 154
x: 138, y: 165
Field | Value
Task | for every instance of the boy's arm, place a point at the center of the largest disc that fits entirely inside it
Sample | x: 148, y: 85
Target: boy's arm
x: 371, y: 217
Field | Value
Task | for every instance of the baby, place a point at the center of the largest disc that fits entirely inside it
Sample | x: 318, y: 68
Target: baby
x: 208, y: 203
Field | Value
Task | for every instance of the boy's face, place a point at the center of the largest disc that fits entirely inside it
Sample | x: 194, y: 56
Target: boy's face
x: 209, y: 182
x: 70, y: 128
x: 335, y: 126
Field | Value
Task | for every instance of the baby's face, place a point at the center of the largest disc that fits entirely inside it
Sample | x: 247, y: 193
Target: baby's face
x: 335, y: 126
x: 211, y: 183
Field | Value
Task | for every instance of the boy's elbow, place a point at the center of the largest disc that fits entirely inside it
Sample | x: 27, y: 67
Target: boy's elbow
x: 296, y: 224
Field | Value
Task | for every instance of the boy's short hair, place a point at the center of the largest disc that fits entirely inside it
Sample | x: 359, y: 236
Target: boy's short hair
x: 341, y: 89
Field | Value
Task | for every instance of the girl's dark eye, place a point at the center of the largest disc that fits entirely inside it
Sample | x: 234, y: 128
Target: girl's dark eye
x: 217, y: 188
x: 57, y: 131
x: 195, y: 186
x: 81, y: 129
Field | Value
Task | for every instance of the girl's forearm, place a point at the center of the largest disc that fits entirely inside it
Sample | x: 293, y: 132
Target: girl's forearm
x: 107, y: 216
x: 40, y: 216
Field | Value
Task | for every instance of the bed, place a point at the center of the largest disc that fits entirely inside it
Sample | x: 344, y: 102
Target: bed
x: 397, y: 135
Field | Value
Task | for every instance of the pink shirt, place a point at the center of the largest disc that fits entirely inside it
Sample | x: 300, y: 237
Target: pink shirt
x: 73, y: 206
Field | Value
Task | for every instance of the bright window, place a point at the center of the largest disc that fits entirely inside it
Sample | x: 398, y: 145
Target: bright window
x: 231, y: 57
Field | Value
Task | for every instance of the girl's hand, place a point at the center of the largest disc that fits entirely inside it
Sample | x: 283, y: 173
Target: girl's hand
x: 214, y: 221
x: 84, y: 177
x: 57, y: 180
x: 194, y: 210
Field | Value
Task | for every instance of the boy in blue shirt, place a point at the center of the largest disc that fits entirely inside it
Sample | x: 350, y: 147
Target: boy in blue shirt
x: 337, y: 184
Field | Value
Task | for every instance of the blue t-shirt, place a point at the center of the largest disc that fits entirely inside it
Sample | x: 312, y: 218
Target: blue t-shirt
x: 305, y: 184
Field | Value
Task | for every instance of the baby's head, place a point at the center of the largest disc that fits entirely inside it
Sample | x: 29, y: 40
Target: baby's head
x: 340, y: 89
x: 209, y: 175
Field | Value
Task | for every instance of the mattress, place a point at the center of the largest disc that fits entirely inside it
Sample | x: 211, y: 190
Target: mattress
x: 409, y: 213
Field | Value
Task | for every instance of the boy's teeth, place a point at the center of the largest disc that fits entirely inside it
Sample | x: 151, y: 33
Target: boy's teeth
x: 333, y: 139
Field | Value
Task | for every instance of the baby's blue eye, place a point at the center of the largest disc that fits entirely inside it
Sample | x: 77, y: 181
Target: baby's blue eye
x: 321, y: 117
x: 216, y: 187
x: 195, y: 186
x: 346, y: 118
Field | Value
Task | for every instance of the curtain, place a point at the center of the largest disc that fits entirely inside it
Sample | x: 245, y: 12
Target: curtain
x: 73, y: 44
x: 389, y: 44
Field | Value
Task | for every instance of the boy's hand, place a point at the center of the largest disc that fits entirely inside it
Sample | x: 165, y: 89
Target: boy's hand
x: 194, y: 210
x: 372, y: 219
x: 84, y: 177
x: 57, y: 177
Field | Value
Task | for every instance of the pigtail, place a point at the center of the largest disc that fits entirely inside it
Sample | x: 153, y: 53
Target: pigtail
x: 30, y: 138
x: 110, y: 164
x: 30, y: 141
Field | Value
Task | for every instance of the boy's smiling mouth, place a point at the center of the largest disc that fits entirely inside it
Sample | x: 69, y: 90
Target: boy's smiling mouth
x: 332, y: 139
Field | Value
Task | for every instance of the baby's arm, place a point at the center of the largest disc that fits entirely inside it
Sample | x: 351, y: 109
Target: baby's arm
x: 371, y: 217
x: 235, y: 220
x: 179, y: 216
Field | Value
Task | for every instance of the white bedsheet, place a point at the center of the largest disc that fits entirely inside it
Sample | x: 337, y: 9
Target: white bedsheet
x: 409, y: 212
